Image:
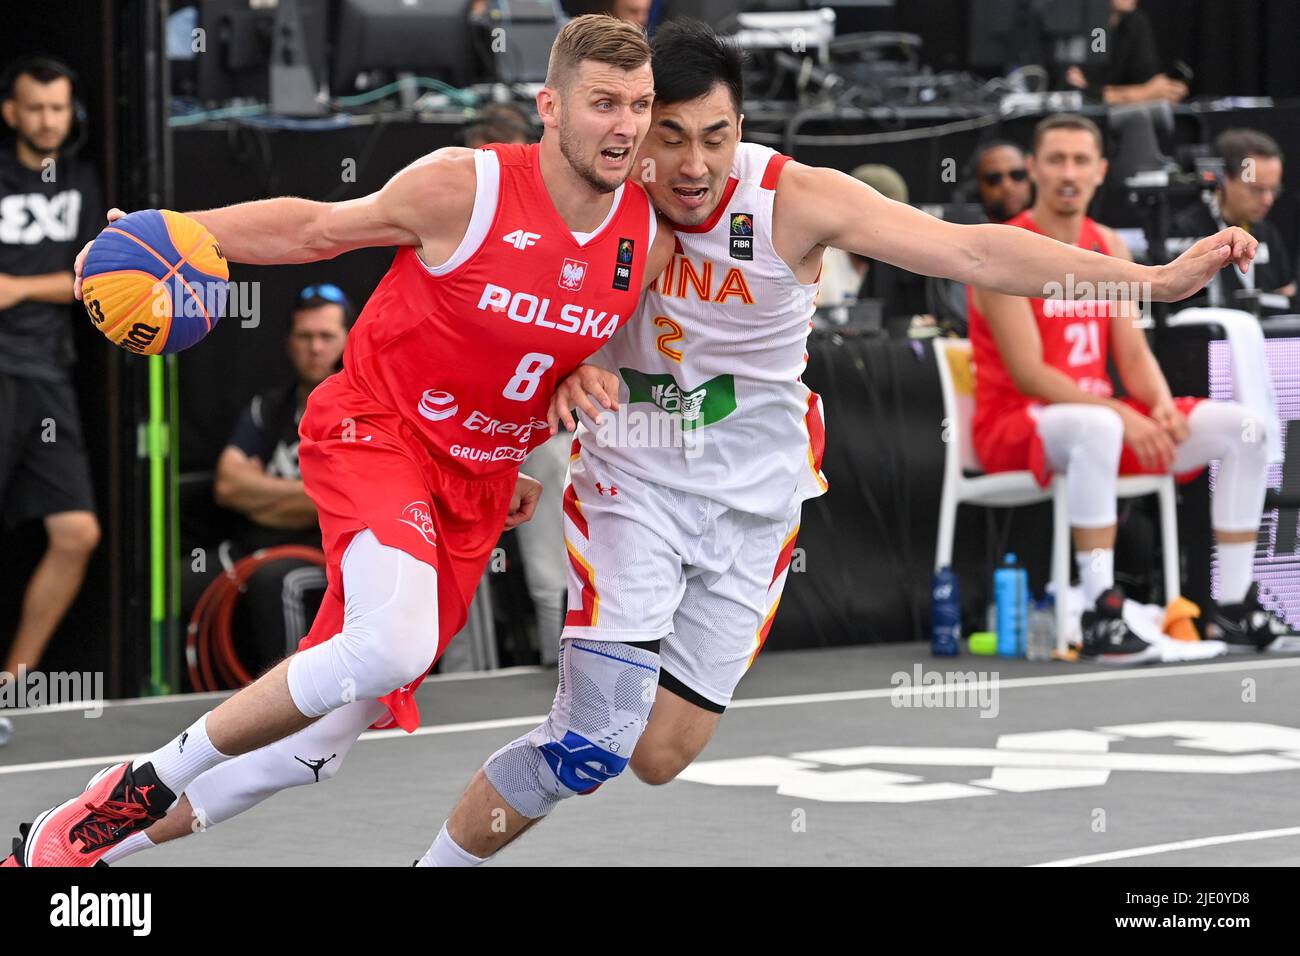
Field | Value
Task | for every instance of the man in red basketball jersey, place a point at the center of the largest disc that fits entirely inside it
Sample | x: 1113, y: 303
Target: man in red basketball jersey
x: 515, y: 263
x: 1044, y: 402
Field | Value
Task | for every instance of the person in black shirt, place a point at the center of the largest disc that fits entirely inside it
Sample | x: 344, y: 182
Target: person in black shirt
x: 258, y: 477
x: 49, y: 208
x: 1252, y: 163
x: 257, y: 473
x: 1131, y: 71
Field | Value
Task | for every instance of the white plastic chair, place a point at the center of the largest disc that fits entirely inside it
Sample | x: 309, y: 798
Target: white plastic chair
x: 965, y: 483
x: 1252, y: 380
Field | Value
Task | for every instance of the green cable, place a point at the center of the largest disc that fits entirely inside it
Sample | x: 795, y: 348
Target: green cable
x: 464, y: 98
x: 174, y: 526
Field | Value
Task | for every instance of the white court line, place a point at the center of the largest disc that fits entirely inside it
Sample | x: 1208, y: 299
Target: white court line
x: 786, y: 701
x: 395, y: 733
x: 1175, y: 847
x: 1212, y: 665
x: 1011, y: 683
x: 222, y: 694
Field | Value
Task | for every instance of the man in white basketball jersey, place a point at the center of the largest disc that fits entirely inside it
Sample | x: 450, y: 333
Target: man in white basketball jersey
x: 679, y: 538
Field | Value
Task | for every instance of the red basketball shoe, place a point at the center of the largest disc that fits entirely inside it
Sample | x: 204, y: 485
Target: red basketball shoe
x: 118, y: 802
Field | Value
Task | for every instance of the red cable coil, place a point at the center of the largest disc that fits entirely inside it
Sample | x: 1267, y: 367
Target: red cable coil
x: 209, y: 630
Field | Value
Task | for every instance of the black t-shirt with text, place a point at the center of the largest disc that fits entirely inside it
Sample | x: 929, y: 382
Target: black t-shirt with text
x: 45, y: 219
x: 268, y: 431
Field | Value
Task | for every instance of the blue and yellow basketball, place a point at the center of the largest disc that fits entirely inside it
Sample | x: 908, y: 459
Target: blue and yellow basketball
x: 155, y: 282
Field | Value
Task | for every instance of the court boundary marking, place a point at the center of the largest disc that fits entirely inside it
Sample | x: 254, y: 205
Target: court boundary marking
x: 1175, y: 847
x: 753, y: 702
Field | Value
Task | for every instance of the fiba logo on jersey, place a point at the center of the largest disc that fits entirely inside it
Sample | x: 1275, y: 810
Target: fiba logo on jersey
x: 623, y: 265
x: 417, y: 515
x: 742, y: 236
x: 571, y: 275
x: 437, y: 406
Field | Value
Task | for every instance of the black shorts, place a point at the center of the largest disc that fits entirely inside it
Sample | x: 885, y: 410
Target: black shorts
x: 43, y: 466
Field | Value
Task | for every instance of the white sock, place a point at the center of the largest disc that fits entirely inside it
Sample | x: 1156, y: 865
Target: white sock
x: 1236, y: 568
x: 133, y: 844
x: 187, y: 755
x: 446, y: 852
x: 1096, y: 573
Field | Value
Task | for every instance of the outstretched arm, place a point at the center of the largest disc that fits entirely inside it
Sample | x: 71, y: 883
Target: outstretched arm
x: 822, y: 207
x: 290, y: 230
x: 427, y: 204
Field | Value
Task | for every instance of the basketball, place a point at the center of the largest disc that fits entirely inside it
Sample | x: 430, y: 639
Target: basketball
x: 155, y: 282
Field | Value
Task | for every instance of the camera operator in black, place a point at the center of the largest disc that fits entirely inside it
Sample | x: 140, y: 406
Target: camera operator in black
x: 1251, y: 183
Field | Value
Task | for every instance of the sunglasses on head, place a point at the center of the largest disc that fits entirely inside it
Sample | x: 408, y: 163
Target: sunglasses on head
x: 325, y: 290
x: 993, y: 179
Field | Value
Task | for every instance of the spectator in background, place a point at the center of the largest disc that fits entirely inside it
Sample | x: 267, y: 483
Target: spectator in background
x: 1252, y: 181
x: 844, y: 273
x: 499, y: 123
x: 1044, y: 401
x: 258, y: 476
x: 635, y: 11
x: 49, y: 208
x: 1002, y: 180
x: 1131, y: 72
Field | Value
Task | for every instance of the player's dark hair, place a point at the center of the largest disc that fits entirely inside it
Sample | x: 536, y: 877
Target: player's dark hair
x: 690, y: 60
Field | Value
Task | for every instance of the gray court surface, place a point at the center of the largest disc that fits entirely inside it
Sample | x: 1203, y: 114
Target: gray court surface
x: 817, y: 762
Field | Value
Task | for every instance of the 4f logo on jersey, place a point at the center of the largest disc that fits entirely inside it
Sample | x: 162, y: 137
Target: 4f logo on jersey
x: 571, y: 275
x: 742, y: 236
x: 522, y: 240
x: 623, y: 264
x: 437, y: 405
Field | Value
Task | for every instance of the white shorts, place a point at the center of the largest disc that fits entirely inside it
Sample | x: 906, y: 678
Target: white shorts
x: 650, y: 563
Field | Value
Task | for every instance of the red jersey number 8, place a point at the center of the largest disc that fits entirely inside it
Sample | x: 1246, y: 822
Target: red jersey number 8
x: 528, y: 375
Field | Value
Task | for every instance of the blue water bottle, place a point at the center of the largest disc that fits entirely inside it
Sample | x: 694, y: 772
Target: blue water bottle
x: 945, y: 614
x: 1011, y: 593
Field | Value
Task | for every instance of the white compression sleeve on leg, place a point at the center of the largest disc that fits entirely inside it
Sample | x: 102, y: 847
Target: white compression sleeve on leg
x: 1235, y: 436
x: 389, y: 636
x: 312, y: 755
x: 1084, y: 443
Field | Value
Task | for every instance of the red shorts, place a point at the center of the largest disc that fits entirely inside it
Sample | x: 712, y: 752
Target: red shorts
x: 363, y: 468
x: 1011, y: 443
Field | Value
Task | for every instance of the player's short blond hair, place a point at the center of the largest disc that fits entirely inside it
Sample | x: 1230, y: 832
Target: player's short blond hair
x: 598, y: 37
